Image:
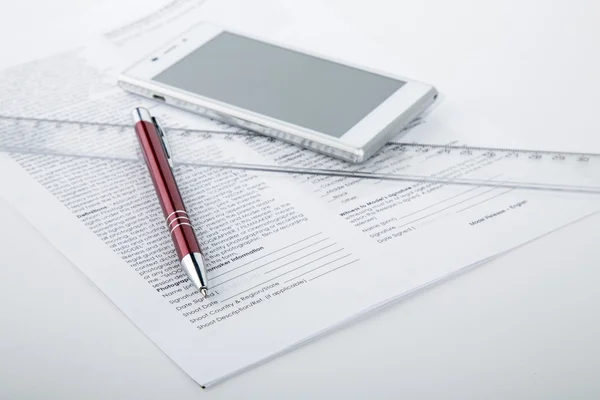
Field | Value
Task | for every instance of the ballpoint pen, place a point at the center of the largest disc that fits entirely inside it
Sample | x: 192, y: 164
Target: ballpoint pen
x: 158, y: 160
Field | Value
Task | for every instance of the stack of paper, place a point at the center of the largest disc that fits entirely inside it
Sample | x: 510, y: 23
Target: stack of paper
x: 286, y: 261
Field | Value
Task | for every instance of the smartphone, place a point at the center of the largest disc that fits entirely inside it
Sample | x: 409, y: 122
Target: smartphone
x: 310, y: 100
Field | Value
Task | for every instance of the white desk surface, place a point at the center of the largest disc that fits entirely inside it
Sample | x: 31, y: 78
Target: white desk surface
x: 523, y: 326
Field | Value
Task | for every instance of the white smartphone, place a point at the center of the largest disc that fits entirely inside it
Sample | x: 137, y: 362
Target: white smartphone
x: 310, y: 100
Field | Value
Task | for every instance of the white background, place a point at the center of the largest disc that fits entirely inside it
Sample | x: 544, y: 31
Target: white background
x: 525, y: 325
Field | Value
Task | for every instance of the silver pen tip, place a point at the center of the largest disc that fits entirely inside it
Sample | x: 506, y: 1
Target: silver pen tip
x: 204, y: 292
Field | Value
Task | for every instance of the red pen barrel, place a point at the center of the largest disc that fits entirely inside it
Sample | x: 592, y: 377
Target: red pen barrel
x: 177, y: 220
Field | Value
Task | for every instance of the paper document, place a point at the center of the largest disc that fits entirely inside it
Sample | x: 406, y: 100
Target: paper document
x: 288, y: 257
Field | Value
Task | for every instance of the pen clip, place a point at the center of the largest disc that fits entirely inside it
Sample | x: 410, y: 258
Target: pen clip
x: 163, y: 140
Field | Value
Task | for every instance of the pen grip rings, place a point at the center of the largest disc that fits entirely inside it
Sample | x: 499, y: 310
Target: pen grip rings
x: 176, y: 219
x: 180, y: 227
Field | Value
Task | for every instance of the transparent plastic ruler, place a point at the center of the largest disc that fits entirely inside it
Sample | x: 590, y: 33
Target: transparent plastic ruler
x: 427, y: 164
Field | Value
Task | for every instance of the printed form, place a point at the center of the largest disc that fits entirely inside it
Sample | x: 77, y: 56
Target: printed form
x: 289, y: 257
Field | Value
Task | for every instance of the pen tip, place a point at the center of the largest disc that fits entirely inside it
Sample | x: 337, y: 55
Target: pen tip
x: 204, y: 292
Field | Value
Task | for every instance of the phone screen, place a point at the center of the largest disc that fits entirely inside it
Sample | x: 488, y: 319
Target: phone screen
x: 280, y: 83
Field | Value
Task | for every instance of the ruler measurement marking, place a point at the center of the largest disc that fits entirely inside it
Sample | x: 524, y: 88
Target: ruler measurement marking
x: 445, y: 148
x: 393, y: 148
